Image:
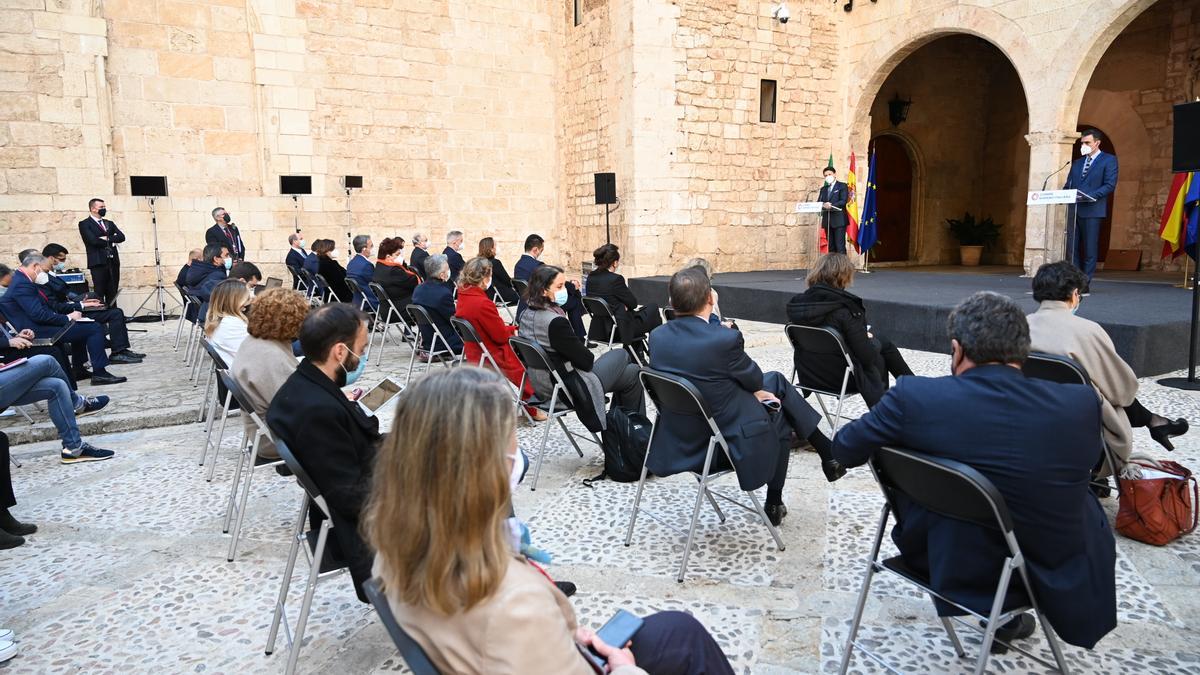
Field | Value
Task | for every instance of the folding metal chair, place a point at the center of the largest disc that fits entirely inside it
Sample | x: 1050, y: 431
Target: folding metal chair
x: 387, y: 316
x: 355, y: 289
x: 822, y: 344
x: 297, y: 280
x: 533, y: 357
x: 668, y: 313
x: 502, y: 303
x: 187, y: 302
x: 192, y: 349
x: 521, y: 287
x: 321, y: 565
x: 248, y: 461
x: 219, y: 367
x: 1063, y: 370
x: 674, y: 395
x: 310, y: 284
x: 954, y: 490
x: 467, y: 332
x: 418, y: 662
x: 326, y: 291
x: 598, y: 309
x: 420, y: 317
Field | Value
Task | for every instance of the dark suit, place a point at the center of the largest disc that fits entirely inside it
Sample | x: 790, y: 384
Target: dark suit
x: 632, y: 322
x: 26, y: 305
x: 335, y: 276
x: 574, y: 307
x: 103, y: 259
x: 437, y: 298
x: 824, y: 306
x: 1037, y: 442
x: 525, y: 267
x: 714, y: 359
x: 1099, y: 183
x: 202, y: 278
x: 363, y: 272
x: 295, y: 261
x: 111, y: 318
x: 502, y: 283
x: 834, y: 222
x: 311, y: 264
x: 456, y: 262
x: 335, y: 443
x: 418, y: 257
x: 231, y: 239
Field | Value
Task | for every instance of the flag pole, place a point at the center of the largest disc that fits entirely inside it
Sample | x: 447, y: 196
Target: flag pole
x: 1189, y: 383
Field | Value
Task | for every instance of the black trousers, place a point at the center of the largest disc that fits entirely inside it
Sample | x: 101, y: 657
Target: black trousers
x: 113, y: 321
x: 7, y: 498
x: 675, y: 643
x: 106, y: 279
x: 836, y: 236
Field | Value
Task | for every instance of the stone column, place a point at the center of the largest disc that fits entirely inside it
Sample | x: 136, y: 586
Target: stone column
x: 1045, y: 226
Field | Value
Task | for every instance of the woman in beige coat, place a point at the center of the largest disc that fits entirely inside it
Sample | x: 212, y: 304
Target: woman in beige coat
x: 436, y: 519
x: 1055, y: 329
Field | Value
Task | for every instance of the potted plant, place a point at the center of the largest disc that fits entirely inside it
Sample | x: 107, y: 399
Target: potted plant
x: 973, y: 235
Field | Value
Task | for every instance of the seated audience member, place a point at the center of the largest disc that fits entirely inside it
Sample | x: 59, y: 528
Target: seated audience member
x: 193, y: 256
x: 12, y: 531
x: 247, y: 273
x: 633, y: 322
x: 331, y: 269
x: 714, y: 359
x: 397, y: 279
x: 362, y: 270
x: 480, y: 311
x: 707, y: 268
x: 207, y: 273
x: 535, y: 246
x: 328, y: 433
x: 112, y: 318
x: 419, y: 253
x: 1036, y: 441
x: 311, y: 262
x: 436, y: 296
x: 40, y: 378
x: 295, y: 257
x: 5, y: 278
x: 454, y: 246
x: 264, y: 361
x: 827, y: 304
x: 587, y: 378
x: 1055, y: 329
x: 28, y: 308
x: 501, y: 282
x: 225, y: 325
x: 58, y: 351
x: 471, y: 602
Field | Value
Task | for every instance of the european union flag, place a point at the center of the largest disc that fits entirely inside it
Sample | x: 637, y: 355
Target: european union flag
x: 867, y: 228
x: 1191, y: 210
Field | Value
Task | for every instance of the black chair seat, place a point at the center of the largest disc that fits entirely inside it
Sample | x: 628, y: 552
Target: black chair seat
x: 1017, y: 598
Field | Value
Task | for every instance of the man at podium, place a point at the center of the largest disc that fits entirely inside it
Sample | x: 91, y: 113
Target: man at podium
x: 833, y: 210
x: 1095, y: 173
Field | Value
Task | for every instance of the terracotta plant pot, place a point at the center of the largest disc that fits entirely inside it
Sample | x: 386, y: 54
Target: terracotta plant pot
x: 970, y: 255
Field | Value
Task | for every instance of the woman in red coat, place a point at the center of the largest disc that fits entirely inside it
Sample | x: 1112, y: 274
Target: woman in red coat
x: 480, y: 311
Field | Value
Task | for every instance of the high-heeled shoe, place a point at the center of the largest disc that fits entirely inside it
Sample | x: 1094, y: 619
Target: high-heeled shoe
x: 1163, y: 433
x: 833, y: 469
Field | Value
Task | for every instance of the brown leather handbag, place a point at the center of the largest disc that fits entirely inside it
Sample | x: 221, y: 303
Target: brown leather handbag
x: 1157, y: 510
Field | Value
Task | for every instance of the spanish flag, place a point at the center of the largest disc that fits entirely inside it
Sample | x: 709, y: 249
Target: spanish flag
x: 852, y: 205
x: 1177, y: 233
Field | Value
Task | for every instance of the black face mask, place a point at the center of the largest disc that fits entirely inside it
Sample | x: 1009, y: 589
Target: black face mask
x: 102, y: 211
x: 227, y: 219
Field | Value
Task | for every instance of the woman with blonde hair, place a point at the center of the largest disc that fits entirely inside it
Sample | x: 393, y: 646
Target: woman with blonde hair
x: 265, y: 359
x: 437, y: 521
x: 827, y: 304
x: 225, y: 323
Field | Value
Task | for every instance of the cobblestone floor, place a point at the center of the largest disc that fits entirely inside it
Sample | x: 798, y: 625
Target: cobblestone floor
x: 128, y: 571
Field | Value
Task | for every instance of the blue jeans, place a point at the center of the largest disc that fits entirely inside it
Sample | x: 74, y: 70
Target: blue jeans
x: 42, y: 379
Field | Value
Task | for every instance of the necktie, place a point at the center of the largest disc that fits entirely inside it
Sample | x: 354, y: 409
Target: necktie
x: 103, y: 229
x: 1087, y: 165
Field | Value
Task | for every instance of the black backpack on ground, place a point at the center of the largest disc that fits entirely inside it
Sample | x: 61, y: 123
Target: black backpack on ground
x: 624, y: 442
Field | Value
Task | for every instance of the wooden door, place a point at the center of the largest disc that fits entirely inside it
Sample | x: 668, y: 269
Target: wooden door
x: 893, y: 178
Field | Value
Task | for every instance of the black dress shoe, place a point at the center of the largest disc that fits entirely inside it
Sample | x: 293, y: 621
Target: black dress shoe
x: 84, y: 374
x: 8, y: 541
x: 775, y: 513
x: 123, y: 357
x: 15, y: 527
x: 136, y: 355
x: 107, y: 378
x: 1163, y: 433
x: 567, y: 588
x: 833, y: 469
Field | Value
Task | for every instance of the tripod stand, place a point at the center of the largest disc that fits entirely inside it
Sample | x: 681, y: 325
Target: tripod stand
x: 160, y: 292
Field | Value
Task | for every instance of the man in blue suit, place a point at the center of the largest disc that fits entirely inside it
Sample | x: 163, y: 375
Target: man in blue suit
x: 1037, y: 441
x: 454, y: 244
x: 535, y: 245
x: 362, y: 270
x: 833, y: 198
x: 1094, y: 174
x: 436, y: 296
x: 757, y: 412
x: 295, y: 256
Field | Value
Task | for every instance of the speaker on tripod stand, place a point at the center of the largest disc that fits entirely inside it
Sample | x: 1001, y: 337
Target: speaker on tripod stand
x: 152, y: 188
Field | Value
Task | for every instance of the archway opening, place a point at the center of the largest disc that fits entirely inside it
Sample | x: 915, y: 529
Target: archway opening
x: 967, y: 124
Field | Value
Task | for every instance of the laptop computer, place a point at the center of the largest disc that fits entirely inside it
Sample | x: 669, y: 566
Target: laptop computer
x: 50, y: 341
x: 272, y: 282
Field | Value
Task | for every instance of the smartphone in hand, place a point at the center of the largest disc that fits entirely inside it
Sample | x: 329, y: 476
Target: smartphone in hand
x: 617, y: 632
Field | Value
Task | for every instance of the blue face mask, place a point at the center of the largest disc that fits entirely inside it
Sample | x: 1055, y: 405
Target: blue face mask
x: 60, y: 266
x: 353, y: 375
x: 228, y: 263
x: 560, y: 296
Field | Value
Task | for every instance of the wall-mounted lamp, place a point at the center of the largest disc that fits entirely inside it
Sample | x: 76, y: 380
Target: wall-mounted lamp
x: 898, y: 109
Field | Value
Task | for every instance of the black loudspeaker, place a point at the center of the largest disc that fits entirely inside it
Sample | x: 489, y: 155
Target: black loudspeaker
x: 606, y: 188
x: 1185, y: 154
x: 354, y: 182
x: 295, y: 185
x: 148, y: 186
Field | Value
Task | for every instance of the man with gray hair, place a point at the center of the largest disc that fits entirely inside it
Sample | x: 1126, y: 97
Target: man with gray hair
x: 362, y: 270
x: 454, y: 244
x: 420, y: 252
x: 225, y: 233
x: 436, y: 295
x: 1036, y: 441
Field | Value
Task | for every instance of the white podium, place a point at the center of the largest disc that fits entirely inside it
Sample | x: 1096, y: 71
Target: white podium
x: 818, y: 207
x: 1062, y: 201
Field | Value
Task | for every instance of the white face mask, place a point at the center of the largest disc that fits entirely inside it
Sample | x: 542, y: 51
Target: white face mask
x: 41, y: 279
x: 829, y: 180
x: 301, y: 244
x: 1085, y: 150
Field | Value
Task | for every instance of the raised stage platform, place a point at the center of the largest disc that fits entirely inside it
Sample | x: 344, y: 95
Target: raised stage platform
x: 1148, y: 320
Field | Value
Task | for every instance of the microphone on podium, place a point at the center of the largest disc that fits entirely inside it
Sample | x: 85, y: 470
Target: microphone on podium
x: 1047, y: 181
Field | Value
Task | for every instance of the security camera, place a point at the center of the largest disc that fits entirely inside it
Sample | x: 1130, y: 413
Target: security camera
x: 781, y: 13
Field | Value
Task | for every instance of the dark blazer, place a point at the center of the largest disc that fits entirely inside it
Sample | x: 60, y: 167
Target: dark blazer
x: 335, y: 443
x: 502, y: 283
x: 310, y: 263
x: 525, y: 267
x: 58, y: 290
x: 456, y: 262
x: 216, y: 235
x: 181, y: 278
x: 1100, y: 182
x: 418, y: 260
x: 295, y: 258
x: 398, y: 282
x: 27, y: 305
x: 836, y: 195
x: 437, y: 298
x: 100, y: 251
x: 362, y: 271
x: 714, y: 359
x: 825, y: 306
x: 1037, y: 442
x: 203, y: 277
x: 611, y: 288
x: 335, y: 276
